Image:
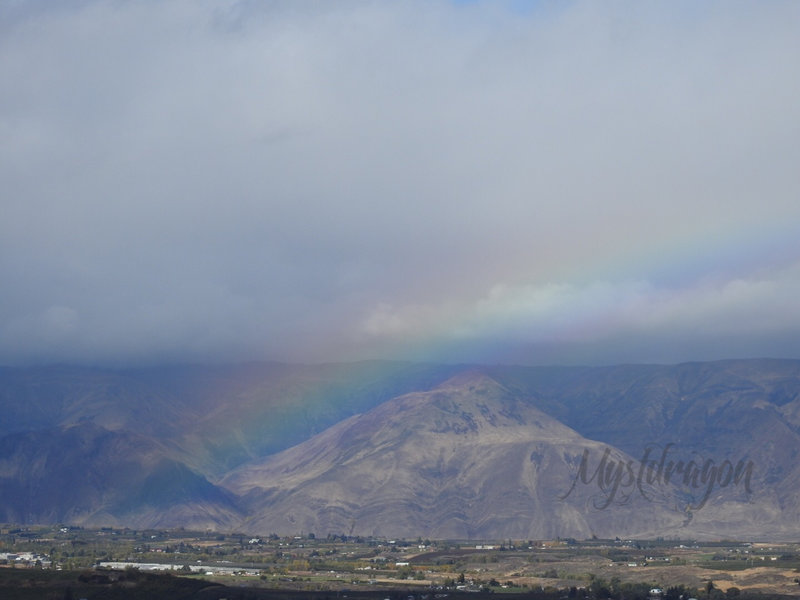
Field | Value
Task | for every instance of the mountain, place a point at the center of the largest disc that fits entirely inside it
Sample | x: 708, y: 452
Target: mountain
x: 85, y: 474
x: 467, y: 459
x: 629, y: 406
x: 404, y: 449
x: 740, y: 411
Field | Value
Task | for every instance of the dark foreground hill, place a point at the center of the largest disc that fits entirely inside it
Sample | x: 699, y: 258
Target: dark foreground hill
x: 701, y: 449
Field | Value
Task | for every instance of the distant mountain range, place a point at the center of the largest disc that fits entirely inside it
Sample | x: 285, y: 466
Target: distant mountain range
x: 704, y: 450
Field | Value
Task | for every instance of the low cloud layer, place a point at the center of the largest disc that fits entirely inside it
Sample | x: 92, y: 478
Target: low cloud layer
x: 543, y: 183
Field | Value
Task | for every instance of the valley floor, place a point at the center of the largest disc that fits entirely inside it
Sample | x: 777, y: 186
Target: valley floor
x: 108, y: 563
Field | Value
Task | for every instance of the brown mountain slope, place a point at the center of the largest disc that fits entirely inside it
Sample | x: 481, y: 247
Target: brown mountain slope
x: 464, y: 460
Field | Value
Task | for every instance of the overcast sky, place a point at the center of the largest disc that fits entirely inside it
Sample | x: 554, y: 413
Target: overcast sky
x: 536, y: 183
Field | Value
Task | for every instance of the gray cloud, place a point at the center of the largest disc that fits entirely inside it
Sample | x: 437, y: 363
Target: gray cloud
x: 303, y: 181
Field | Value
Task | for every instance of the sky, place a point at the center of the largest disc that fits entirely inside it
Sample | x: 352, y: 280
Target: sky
x: 491, y: 182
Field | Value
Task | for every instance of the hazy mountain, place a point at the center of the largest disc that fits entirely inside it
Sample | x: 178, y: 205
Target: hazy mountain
x: 85, y: 474
x: 630, y: 406
x: 217, y: 416
x: 407, y: 449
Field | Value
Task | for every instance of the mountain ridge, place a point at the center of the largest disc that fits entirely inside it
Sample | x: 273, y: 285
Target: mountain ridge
x: 202, y: 427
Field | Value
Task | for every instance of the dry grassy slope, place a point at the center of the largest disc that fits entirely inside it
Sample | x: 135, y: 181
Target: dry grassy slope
x: 467, y: 459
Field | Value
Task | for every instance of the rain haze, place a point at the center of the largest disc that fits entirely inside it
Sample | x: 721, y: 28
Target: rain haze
x: 497, y: 182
